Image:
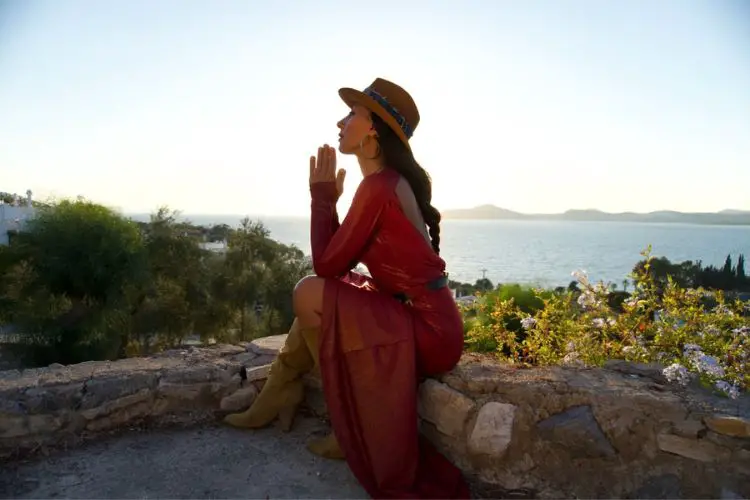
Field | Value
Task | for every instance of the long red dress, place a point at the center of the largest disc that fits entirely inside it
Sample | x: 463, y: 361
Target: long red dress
x: 374, y: 348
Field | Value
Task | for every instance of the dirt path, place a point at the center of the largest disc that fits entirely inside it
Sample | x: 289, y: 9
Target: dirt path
x: 206, y: 462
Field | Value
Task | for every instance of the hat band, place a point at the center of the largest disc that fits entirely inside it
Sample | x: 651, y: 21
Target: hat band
x: 402, y: 123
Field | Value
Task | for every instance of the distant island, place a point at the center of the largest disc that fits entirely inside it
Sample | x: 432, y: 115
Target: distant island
x: 491, y: 212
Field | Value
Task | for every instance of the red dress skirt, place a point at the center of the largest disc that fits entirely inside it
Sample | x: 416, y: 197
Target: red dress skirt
x: 374, y: 348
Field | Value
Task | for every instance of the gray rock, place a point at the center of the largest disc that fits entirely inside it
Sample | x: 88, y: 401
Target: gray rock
x: 690, y: 428
x: 263, y: 359
x: 268, y: 345
x: 50, y: 399
x: 100, y: 390
x: 191, y: 374
x: 729, y: 426
x: 493, y: 430
x: 653, y: 371
x: 694, y: 449
x: 245, y: 358
x: 239, y: 400
x: 447, y: 408
x: 258, y: 373
x: 664, y: 486
x: 577, y: 431
x: 727, y: 494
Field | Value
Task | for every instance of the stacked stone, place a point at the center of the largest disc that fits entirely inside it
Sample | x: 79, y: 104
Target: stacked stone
x: 620, y: 431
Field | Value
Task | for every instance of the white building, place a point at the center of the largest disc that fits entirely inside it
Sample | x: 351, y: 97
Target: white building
x: 215, y: 246
x: 13, y: 216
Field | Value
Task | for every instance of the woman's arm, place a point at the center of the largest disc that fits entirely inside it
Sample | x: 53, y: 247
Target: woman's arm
x: 324, y: 218
x: 352, y: 277
x: 336, y: 251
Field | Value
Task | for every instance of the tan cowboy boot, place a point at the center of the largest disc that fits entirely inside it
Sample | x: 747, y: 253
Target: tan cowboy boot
x: 283, y: 391
x: 328, y: 446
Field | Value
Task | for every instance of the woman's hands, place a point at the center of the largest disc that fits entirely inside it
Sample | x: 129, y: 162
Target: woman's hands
x: 323, y: 168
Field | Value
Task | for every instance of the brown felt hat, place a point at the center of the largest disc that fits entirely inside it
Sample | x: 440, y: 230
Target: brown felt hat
x: 390, y: 102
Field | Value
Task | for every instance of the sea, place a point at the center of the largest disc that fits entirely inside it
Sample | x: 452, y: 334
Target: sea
x: 545, y: 253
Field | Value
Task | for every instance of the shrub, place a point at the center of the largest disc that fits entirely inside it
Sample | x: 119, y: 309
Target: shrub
x: 695, y: 333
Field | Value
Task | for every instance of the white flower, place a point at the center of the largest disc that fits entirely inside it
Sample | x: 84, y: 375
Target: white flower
x: 722, y: 309
x: 703, y: 363
x: 708, y: 365
x: 601, y: 289
x: 528, y: 323
x: 581, y: 276
x: 587, y: 299
x: 572, y: 359
x: 691, y: 349
x: 711, y: 331
x: 677, y: 373
x: 729, y: 389
x: 598, y: 322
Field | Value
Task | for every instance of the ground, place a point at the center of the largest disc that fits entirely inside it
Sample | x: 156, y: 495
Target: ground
x: 202, y: 462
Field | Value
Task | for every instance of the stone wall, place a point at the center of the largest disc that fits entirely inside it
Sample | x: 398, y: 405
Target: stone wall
x: 621, y: 431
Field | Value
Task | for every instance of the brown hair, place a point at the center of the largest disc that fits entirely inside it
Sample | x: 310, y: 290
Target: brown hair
x: 400, y: 158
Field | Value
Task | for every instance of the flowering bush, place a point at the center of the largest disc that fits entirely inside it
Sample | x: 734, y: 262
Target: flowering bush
x: 694, y: 333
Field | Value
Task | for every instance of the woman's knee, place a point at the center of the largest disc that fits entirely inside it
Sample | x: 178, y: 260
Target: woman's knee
x: 308, y: 295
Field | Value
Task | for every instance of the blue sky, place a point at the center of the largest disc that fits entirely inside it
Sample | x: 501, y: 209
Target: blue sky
x: 536, y: 106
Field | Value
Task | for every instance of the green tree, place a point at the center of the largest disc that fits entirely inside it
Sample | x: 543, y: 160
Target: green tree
x: 727, y: 270
x: 167, y: 303
x: 67, y: 277
x: 484, y: 285
x: 218, y: 232
x: 685, y: 274
x: 740, y: 270
x: 287, y: 266
x: 246, y: 272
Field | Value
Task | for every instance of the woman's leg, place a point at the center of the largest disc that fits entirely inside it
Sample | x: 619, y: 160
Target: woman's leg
x: 308, y: 307
x: 283, y: 390
x: 308, y: 301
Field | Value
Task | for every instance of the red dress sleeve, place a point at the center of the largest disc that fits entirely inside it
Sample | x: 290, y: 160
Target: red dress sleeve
x: 335, y: 251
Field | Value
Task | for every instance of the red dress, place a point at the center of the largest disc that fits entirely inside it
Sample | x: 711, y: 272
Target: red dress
x: 374, y: 348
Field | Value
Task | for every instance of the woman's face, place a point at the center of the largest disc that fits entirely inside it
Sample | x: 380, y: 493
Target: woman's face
x: 354, y: 128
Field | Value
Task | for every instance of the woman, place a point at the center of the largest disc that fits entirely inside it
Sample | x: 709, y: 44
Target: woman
x: 372, y: 339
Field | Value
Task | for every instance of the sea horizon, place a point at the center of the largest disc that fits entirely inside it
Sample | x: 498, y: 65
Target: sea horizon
x: 539, y: 252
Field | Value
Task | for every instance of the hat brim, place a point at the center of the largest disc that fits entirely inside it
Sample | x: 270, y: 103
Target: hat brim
x: 353, y: 96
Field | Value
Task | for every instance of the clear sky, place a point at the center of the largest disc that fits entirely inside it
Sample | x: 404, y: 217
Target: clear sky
x: 536, y: 106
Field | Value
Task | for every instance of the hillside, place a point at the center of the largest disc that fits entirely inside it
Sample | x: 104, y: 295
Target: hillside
x: 492, y: 212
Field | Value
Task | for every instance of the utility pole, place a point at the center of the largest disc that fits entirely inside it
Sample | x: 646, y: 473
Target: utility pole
x: 484, y: 274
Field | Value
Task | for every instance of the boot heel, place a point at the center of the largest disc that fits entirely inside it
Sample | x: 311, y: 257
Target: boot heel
x: 286, y: 417
x: 295, y: 396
